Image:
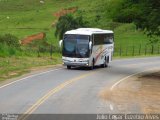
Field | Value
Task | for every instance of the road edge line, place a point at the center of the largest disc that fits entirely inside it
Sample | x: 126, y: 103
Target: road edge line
x: 115, y: 84
x: 37, y: 74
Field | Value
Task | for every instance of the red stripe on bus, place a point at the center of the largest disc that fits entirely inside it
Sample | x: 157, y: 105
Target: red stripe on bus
x: 99, y: 55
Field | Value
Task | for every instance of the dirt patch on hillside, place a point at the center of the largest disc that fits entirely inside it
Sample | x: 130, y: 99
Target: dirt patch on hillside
x: 141, y: 92
x: 29, y: 39
x: 65, y: 11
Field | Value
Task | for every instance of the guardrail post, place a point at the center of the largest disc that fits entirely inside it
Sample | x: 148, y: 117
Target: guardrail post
x: 38, y: 51
x: 152, y: 50
x: 133, y: 51
x: 140, y: 49
x: 51, y: 51
x: 120, y: 51
x: 126, y: 50
x: 145, y: 49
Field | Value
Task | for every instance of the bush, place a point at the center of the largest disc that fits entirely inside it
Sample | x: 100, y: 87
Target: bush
x: 113, y: 25
x: 3, y: 50
x: 69, y: 22
x: 37, y: 46
x: 9, y: 45
x: 9, y: 40
x: 7, y: 50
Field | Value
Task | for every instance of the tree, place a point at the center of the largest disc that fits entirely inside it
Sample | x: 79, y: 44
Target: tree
x: 144, y: 13
x: 68, y: 22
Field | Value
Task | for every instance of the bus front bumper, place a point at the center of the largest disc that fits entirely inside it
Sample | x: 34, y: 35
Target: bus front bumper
x: 75, y: 61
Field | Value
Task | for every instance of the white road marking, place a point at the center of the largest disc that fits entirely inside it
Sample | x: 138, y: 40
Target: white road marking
x: 43, y: 99
x: 115, y: 84
x: 111, y: 107
x: 29, y: 77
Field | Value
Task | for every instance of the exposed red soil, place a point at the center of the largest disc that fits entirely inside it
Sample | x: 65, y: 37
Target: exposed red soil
x: 42, y: 35
x: 34, y: 37
x: 65, y: 11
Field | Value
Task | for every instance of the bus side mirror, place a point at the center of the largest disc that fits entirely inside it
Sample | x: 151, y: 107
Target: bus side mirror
x: 60, y: 43
x: 90, y: 45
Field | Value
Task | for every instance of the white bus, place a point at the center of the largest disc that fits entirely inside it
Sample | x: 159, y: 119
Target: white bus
x: 87, y: 47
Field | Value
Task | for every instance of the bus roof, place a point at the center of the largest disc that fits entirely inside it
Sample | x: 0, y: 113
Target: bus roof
x: 88, y: 31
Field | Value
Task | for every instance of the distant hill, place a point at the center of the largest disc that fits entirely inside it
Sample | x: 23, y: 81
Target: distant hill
x: 27, y: 17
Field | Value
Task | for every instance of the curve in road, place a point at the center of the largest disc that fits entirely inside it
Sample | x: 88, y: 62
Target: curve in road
x: 73, y: 91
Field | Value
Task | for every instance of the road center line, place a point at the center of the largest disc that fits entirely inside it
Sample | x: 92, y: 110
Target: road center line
x: 29, y: 77
x: 50, y: 93
x: 35, y: 75
x: 115, y: 84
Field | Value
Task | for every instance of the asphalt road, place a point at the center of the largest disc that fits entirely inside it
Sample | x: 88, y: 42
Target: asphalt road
x: 75, y: 91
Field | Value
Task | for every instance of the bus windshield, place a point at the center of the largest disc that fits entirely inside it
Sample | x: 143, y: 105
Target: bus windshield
x: 76, y: 46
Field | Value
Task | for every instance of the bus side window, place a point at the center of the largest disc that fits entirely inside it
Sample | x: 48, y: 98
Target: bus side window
x: 99, y: 39
x: 108, y: 39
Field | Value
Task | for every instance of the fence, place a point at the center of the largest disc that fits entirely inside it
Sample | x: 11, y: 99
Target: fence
x: 41, y: 50
x: 119, y: 50
x: 137, y: 50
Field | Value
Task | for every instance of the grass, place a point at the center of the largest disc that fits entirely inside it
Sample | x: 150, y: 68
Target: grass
x: 133, y: 42
x: 26, y: 17
x: 15, y: 66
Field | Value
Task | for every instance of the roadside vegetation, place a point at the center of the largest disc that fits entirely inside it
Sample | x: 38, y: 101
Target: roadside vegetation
x: 24, y: 19
x: 18, y: 65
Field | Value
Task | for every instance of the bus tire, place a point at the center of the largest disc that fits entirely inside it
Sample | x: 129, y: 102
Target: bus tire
x: 105, y: 63
x: 92, y: 66
x: 68, y: 67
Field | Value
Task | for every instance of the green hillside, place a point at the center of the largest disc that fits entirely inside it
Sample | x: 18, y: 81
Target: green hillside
x: 23, y: 18
x: 27, y: 17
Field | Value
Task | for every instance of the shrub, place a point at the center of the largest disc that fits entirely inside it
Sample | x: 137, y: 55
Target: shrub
x: 3, y: 50
x: 69, y: 22
x: 10, y: 40
x: 9, y: 45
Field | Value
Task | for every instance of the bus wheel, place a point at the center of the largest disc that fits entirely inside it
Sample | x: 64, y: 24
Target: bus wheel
x: 92, y: 66
x: 105, y: 64
x: 68, y: 67
x: 107, y: 61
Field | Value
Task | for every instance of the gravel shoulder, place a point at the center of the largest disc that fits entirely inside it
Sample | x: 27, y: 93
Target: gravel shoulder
x: 141, y: 91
